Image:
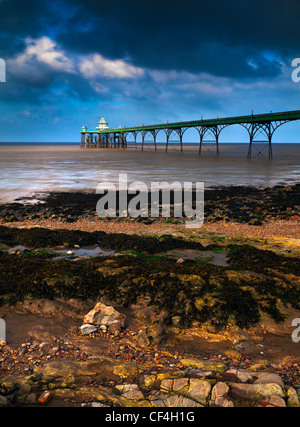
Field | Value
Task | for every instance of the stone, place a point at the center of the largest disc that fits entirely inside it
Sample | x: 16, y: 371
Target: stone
x: 254, y: 392
x: 180, y: 402
x: 220, y: 396
x: 153, y: 335
x: 147, y: 315
x: 104, y: 315
x: 133, y: 394
x: 292, y: 398
x: 125, y: 371
x: 180, y: 385
x: 4, y: 402
x: 271, y: 402
x: 256, y: 377
x: 176, y: 321
x: 147, y: 381
x: 268, y: 378
x: 260, y: 366
x: 7, y: 388
x: 199, y: 390
x: 204, y: 365
x: 31, y: 399
x: 87, y: 329
x: 114, y: 327
x: 233, y: 354
x: 167, y: 385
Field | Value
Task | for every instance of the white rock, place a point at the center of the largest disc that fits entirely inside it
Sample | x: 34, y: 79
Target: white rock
x: 87, y: 329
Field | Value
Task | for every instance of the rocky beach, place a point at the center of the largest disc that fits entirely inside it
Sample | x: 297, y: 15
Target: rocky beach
x: 124, y: 312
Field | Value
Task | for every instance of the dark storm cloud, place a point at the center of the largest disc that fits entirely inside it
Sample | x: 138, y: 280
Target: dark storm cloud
x: 220, y: 37
x: 224, y: 38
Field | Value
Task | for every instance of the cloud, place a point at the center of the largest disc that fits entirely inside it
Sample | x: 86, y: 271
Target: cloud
x: 96, y: 65
x: 41, y: 51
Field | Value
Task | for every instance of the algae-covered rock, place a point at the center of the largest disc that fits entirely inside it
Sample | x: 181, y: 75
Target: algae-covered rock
x: 125, y: 371
x: 199, y: 390
x: 292, y: 398
x: 151, y: 336
x: 254, y: 392
x: 204, y: 365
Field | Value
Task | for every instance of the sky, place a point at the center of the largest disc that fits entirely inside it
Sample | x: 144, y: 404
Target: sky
x: 68, y: 62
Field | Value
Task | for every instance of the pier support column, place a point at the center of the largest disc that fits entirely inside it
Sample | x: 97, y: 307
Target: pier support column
x: 154, y: 135
x: 135, y: 143
x: 180, y: 134
x: 255, y: 130
x: 82, y: 141
x: 143, y: 140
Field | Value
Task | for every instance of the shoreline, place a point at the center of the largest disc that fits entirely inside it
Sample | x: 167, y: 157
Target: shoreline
x: 260, y: 212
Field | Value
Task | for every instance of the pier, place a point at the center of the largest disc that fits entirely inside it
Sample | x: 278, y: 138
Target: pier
x: 260, y: 128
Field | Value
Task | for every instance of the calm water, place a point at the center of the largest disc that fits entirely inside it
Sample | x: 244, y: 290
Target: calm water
x: 27, y: 169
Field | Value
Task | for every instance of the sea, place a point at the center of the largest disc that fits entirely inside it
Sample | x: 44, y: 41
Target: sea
x: 30, y: 169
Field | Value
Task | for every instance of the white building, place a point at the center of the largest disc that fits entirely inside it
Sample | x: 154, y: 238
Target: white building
x: 102, y: 125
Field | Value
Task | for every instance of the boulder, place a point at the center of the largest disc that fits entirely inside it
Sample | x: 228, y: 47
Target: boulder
x: 256, y: 377
x: 220, y: 396
x: 254, y: 392
x: 104, y: 315
x: 271, y: 402
x: 199, y: 390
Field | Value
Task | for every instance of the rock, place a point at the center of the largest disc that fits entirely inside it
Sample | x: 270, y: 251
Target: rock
x: 147, y: 314
x: 87, y: 329
x: 199, y: 390
x: 125, y: 371
x: 271, y: 402
x: 176, y: 321
x: 96, y: 405
x: 31, y: 399
x: 220, y: 396
x: 115, y: 327
x: 292, y: 398
x: 180, y: 385
x: 7, y: 388
x: 104, y: 315
x: 268, y: 378
x: 4, y: 402
x: 153, y: 335
x: 148, y: 381
x: 256, y: 377
x: 133, y: 394
x: 180, y: 402
x: 260, y: 366
x: 164, y: 400
x: 167, y: 385
x: 233, y: 354
x: 204, y: 365
x: 254, y: 392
